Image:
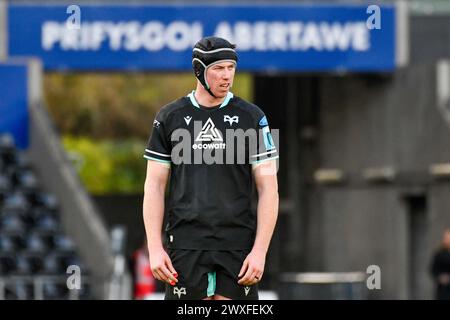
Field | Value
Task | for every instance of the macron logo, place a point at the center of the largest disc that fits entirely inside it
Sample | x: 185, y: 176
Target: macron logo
x: 187, y: 119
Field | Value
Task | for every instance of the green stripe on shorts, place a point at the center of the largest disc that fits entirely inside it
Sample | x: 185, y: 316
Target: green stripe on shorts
x: 211, y: 284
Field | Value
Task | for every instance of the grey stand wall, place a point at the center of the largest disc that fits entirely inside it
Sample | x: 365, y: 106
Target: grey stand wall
x: 393, y: 122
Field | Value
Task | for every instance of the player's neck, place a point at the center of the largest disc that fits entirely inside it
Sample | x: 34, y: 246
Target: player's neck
x: 205, y: 99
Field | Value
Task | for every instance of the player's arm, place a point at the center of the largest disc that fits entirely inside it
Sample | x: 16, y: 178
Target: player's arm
x: 153, y: 211
x: 267, y: 188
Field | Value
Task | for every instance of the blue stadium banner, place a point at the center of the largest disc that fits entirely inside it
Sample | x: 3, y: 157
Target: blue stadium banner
x: 150, y: 37
x: 14, y: 102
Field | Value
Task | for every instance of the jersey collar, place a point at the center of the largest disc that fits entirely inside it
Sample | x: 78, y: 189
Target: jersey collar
x: 225, y: 102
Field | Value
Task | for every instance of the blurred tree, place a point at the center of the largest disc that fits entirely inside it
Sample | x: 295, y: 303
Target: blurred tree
x: 108, y: 166
x: 111, y: 105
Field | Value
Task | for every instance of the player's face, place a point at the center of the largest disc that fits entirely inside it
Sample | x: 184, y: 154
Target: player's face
x: 220, y: 78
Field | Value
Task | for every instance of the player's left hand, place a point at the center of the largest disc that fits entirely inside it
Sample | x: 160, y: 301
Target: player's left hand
x: 253, y: 268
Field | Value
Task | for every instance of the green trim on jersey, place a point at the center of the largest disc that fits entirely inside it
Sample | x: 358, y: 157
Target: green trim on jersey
x: 191, y: 96
x: 159, y: 160
x: 210, y: 291
x: 264, y: 160
x: 227, y: 99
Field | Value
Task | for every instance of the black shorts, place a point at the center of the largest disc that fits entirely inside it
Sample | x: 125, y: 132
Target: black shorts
x: 204, y: 273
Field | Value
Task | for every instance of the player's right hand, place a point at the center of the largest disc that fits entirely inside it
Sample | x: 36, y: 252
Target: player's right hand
x: 162, y: 267
x: 444, y: 278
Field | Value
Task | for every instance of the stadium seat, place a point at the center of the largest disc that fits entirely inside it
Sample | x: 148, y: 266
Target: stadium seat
x: 46, y: 201
x: 37, y: 212
x: 17, y: 239
x: 9, y: 159
x: 7, y: 148
x: 22, y: 266
x: 46, y: 224
x: 12, y: 223
x: 5, y: 186
x: 22, y: 162
x: 15, y: 201
x: 35, y: 243
x: 35, y: 260
x: 26, y: 181
x: 19, y: 290
x: 7, y: 263
x: 55, y: 291
x: 51, y: 265
x: 7, y: 244
x: 21, y: 176
x: 62, y: 244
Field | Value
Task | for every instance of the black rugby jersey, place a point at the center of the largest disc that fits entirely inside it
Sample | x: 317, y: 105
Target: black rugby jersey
x: 210, y: 152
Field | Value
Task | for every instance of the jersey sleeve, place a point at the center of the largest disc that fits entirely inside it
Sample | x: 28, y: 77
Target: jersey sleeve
x: 159, y: 146
x: 266, y: 149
